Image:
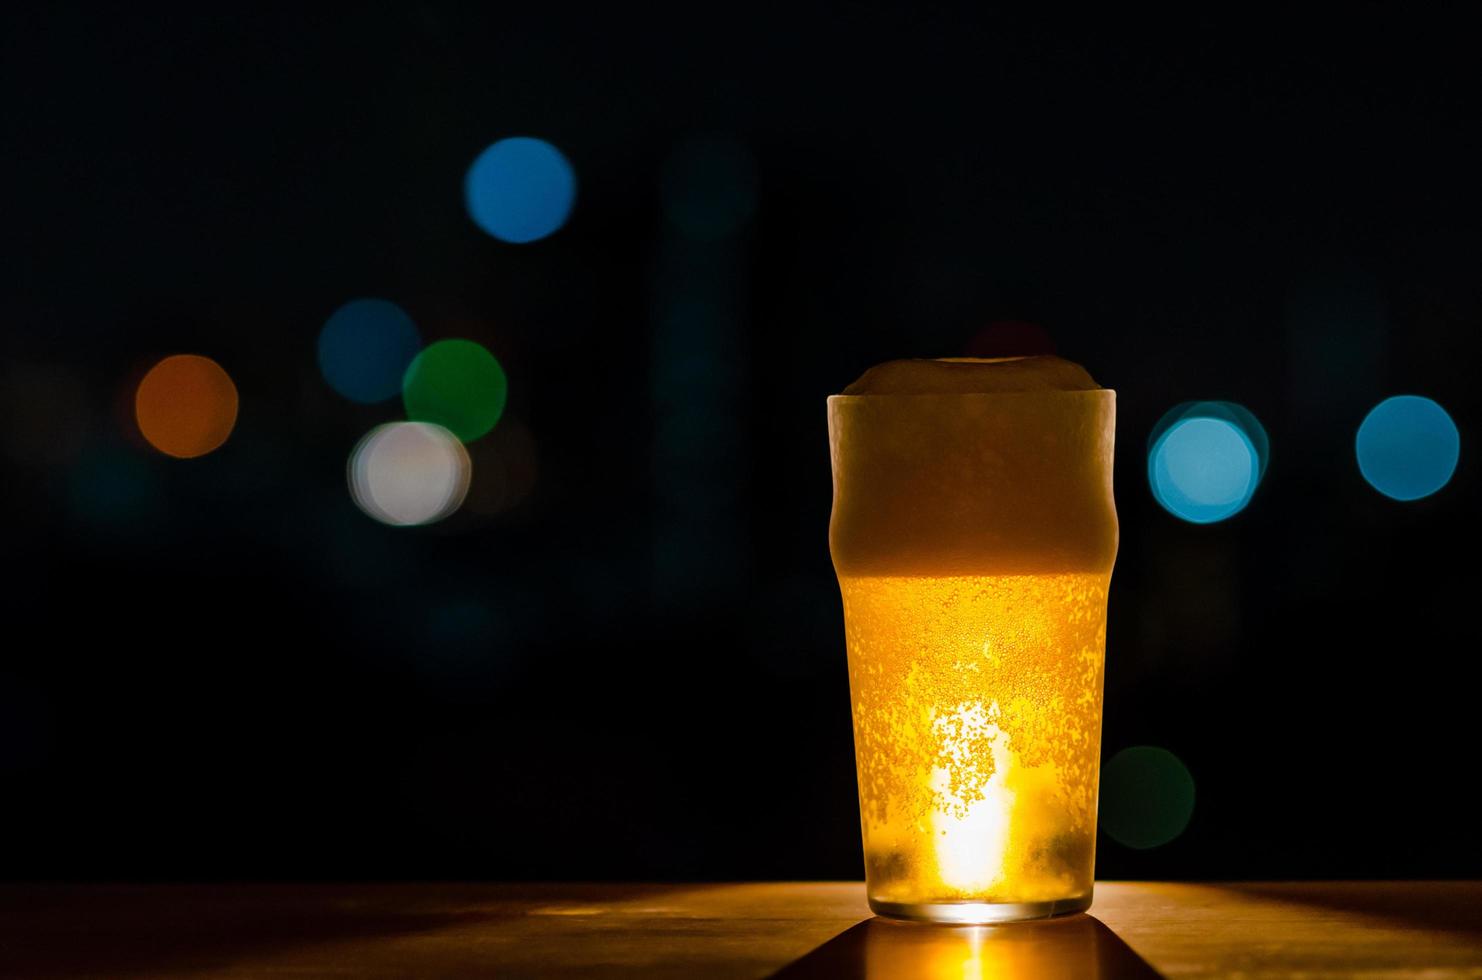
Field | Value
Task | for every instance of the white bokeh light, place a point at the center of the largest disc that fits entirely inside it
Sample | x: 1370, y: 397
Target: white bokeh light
x: 408, y: 473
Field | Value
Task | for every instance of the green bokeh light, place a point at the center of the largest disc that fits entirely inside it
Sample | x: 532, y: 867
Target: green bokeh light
x: 1147, y: 797
x: 458, y: 385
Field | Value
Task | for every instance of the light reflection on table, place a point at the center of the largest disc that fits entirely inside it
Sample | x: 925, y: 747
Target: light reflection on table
x: 1074, y: 946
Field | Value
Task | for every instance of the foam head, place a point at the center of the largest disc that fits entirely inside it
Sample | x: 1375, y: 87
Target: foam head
x: 965, y: 466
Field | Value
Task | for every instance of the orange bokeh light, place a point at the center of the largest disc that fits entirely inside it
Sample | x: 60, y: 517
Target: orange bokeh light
x: 186, y: 406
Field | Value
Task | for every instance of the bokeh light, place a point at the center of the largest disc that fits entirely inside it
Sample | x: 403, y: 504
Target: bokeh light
x: 710, y: 186
x: 1205, y: 460
x: 43, y: 413
x: 1147, y: 797
x: 1203, y: 470
x: 505, y: 469
x: 1236, y: 414
x: 1010, y: 338
x: 1242, y: 417
x: 520, y: 189
x: 365, y: 347
x: 115, y: 488
x: 186, y: 406
x: 458, y: 385
x: 407, y: 473
x: 1407, y: 447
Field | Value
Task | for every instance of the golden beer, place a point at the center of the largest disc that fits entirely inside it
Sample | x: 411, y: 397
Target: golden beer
x: 973, y: 532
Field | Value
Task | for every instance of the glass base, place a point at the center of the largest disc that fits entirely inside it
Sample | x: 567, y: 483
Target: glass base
x: 979, y: 913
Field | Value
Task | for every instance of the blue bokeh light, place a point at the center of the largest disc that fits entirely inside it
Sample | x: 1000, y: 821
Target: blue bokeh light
x: 1242, y: 418
x: 1204, y: 469
x: 1407, y: 447
x: 365, y: 347
x: 520, y: 189
x: 1236, y: 414
x: 710, y: 186
x: 113, y: 488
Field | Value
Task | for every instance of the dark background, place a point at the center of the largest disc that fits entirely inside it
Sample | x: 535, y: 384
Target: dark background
x: 220, y: 668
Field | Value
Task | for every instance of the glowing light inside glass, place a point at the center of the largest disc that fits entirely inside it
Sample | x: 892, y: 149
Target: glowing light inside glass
x: 520, y: 189
x: 505, y: 467
x: 1147, y: 797
x: 1408, y: 447
x: 365, y: 347
x: 407, y: 473
x: 977, y: 713
x: 186, y: 406
x: 458, y: 385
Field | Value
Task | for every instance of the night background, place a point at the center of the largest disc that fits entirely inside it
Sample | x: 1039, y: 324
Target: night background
x: 623, y: 656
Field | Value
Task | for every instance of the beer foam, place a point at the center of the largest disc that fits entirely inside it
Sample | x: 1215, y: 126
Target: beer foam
x: 973, y: 467
x: 973, y: 375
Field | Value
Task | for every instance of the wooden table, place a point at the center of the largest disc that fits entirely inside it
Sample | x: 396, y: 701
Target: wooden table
x: 717, y: 931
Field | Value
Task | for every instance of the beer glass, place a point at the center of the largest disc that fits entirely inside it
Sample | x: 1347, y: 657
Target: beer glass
x: 973, y: 533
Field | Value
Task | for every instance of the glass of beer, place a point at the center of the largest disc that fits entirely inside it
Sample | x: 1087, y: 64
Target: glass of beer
x: 973, y: 532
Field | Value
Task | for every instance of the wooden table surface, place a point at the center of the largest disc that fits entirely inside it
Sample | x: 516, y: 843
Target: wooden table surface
x: 1397, y: 929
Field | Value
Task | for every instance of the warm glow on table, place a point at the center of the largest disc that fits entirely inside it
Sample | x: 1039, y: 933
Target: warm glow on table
x: 717, y: 932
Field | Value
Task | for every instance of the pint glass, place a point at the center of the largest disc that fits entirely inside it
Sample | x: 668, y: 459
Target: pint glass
x: 973, y: 533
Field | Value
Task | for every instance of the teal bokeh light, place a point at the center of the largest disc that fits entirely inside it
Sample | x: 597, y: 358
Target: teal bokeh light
x: 1147, y: 797
x: 1205, y: 460
x: 710, y: 186
x: 1407, y: 447
x: 111, y: 487
x: 365, y: 347
x: 520, y: 189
